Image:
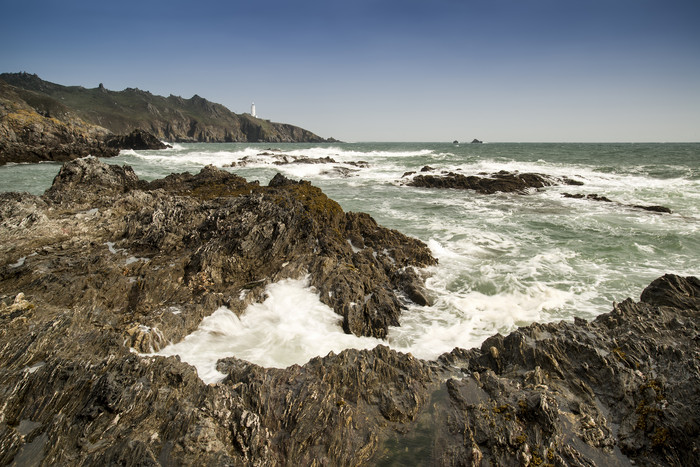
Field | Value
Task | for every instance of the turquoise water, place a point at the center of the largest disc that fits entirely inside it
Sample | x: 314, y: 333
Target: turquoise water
x: 505, y: 259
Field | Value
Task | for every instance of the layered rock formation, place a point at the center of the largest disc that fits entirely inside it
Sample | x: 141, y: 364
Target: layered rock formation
x: 200, y: 240
x: 168, y: 118
x: 104, y: 263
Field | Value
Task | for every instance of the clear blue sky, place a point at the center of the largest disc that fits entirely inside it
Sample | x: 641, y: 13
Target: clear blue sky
x: 388, y: 70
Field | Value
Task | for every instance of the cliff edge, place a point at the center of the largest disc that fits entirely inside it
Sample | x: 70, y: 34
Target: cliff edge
x: 171, y: 118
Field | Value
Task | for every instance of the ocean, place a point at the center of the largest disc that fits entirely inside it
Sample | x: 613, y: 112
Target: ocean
x: 505, y: 260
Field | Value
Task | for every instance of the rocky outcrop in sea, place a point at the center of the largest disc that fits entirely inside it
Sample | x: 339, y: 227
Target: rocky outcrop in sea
x: 605, y: 199
x: 503, y: 181
x: 105, y: 267
x: 136, y: 140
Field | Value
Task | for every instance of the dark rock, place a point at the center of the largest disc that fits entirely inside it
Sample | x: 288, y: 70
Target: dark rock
x: 87, y: 180
x: 476, y: 141
x: 506, y: 182
x: 224, y: 233
x: 660, y: 209
x: 280, y: 159
x: 137, y: 140
x: 100, y: 277
x: 673, y: 291
x: 340, y: 171
x: 592, y: 196
x: 596, y: 197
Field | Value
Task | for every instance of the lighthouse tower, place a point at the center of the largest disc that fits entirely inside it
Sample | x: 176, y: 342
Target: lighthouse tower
x: 252, y: 109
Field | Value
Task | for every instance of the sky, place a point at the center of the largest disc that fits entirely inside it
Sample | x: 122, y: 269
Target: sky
x: 388, y: 70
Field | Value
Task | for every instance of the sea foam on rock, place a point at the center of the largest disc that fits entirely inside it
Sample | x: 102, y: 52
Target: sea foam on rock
x: 617, y: 389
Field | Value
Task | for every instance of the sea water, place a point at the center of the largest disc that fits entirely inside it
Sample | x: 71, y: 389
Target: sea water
x: 505, y: 260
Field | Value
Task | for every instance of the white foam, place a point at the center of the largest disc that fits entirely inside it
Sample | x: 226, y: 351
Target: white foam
x: 188, y: 158
x: 466, y: 319
x: 290, y: 327
x: 504, y: 260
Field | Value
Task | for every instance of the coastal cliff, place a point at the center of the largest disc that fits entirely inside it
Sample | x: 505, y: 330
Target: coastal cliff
x: 34, y: 128
x: 171, y: 118
x: 105, y: 268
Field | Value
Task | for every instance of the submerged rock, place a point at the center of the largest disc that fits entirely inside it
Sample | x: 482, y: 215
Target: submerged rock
x: 85, y: 280
x: 596, y: 197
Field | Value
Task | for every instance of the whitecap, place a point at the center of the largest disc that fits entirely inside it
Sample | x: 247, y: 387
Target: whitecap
x: 290, y: 327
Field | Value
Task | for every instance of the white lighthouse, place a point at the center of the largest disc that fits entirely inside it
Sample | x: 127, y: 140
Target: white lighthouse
x: 252, y: 109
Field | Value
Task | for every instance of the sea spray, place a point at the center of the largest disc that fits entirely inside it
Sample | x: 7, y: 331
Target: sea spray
x: 289, y: 327
x: 505, y: 259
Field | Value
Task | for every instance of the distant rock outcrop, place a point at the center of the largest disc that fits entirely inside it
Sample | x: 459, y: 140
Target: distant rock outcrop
x: 105, y: 266
x: 604, y: 199
x: 168, y: 118
x: 137, y: 140
x: 506, y: 182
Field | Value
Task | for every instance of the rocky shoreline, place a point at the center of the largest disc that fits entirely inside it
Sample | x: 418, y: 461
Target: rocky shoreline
x: 105, y: 265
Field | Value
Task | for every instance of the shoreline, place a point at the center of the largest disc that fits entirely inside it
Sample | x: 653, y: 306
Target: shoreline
x: 616, y: 388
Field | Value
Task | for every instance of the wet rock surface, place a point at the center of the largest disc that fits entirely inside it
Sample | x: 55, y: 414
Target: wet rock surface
x: 344, y: 169
x: 503, y: 181
x: 596, y: 197
x: 137, y: 140
x: 134, y: 264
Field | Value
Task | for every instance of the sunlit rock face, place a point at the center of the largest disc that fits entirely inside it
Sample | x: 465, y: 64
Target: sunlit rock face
x: 106, y: 270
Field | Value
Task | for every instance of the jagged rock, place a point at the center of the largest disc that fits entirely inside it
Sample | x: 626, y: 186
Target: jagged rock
x: 89, y: 279
x: 280, y: 159
x: 506, y: 182
x: 222, y: 232
x: 137, y: 139
x: 87, y: 180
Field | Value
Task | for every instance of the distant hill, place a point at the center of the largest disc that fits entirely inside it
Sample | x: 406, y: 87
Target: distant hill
x: 169, y: 118
x: 35, y: 128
